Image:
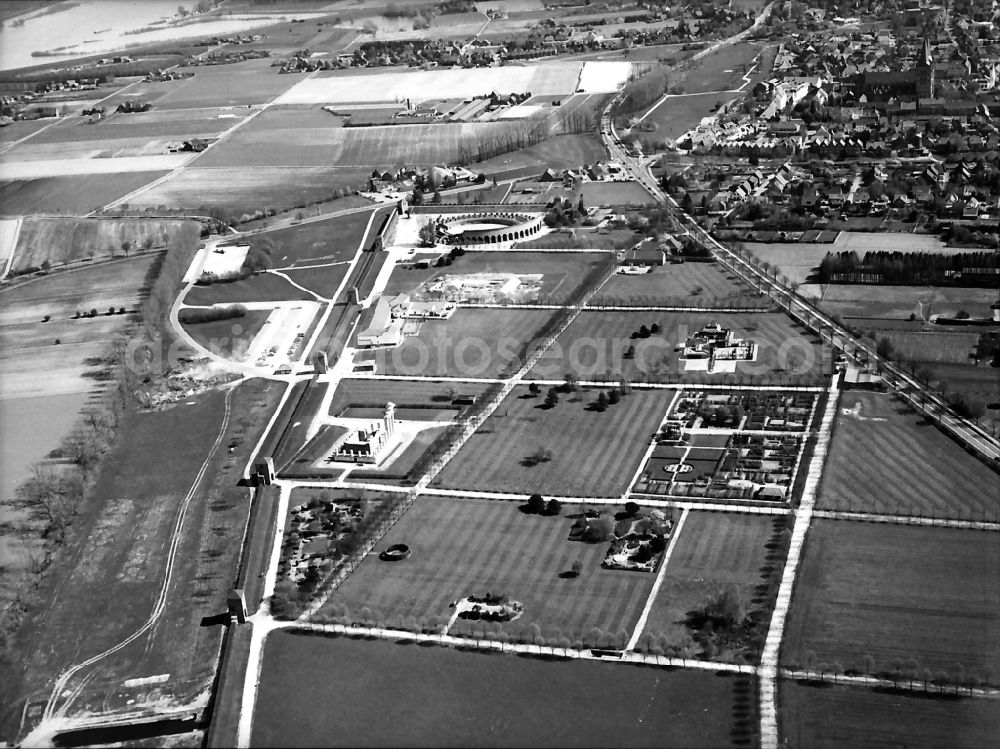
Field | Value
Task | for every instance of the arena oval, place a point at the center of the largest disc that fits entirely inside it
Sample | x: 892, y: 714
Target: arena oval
x: 492, y: 228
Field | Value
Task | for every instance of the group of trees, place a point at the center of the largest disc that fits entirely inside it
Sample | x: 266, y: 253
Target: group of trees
x: 563, y: 213
x: 537, y: 505
x: 193, y: 316
x: 973, y: 269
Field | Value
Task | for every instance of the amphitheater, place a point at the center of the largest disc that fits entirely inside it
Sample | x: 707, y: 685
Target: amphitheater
x: 491, y: 228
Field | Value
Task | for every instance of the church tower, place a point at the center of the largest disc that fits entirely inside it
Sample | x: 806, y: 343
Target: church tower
x: 925, y: 72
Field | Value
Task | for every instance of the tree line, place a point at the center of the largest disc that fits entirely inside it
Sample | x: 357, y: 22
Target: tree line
x: 975, y: 269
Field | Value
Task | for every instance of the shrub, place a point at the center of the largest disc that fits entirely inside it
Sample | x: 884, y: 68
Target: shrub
x: 536, y: 504
x: 192, y: 316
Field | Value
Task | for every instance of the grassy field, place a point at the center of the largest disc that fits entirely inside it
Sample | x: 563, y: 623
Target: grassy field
x: 415, y: 393
x: 246, y: 189
x: 596, y: 341
x: 715, y: 551
x: 675, y: 285
x: 675, y: 115
x: 229, y: 338
x: 830, y: 717
x: 896, y: 593
x: 263, y: 287
x: 615, y: 194
x: 70, y: 194
x: 593, y: 453
x: 59, y: 241
x: 471, y: 343
x: 558, y: 152
x: 543, y: 704
x: 324, y: 280
x: 562, y: 273
x: 466, y: 547
x: 104, y: 585
x: 875, y: 455
x: 239, y: 84
x: 933, y: 345
x: 899, y: 302
x: 318, y: 242
x: 721, y: 70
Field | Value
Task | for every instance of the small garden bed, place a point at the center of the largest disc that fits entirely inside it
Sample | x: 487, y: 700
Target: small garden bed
x: 489, y: 608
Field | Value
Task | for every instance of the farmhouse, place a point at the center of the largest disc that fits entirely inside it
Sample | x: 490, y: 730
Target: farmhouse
x: 366, y: 445
x: 403, y: 307
x: 716, y: 349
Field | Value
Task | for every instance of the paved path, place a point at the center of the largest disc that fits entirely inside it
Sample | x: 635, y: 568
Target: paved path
x: 876, y: 517
x: 641, y: 624
x: 768, y: 671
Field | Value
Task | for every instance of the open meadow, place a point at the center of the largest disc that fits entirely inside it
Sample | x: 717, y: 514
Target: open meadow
x: 824, y: 716
x: 238, y: 84
x: 920, y: 598
x: 74, y: 194
x: 677, y: 114
x: 462, y: 546
x: 681, y: 285
x: 318, y: 242
x: 722, y: 70
x: 106, y: 583
x: 899, y: 302
x: 715, y: 552
x: 589, y: 452
x: 879, y: 444
x: 557, y: 152
x: 596, y: 342
x: 615, y: 194
x: 262, y: 287
x: 450, y: 698
x: 470, y: 343
x: 246, y: 189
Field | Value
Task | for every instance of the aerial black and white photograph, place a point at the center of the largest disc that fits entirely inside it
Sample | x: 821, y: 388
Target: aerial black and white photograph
x: 502, y: 373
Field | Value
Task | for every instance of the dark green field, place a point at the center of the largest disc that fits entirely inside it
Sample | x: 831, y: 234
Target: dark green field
x: 917, y: 597
x: 832, y: 717
x: 317, y: 691
x: 263, y: 287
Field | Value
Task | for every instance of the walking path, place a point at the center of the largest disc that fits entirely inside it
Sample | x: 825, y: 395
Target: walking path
x: 768, y: 671
x: 876, y: 517
x: 641, y: 624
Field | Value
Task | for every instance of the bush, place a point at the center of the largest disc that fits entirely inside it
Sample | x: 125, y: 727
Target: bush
x: 192, y: 316
x: 536, y: 504
x: 554, y: 507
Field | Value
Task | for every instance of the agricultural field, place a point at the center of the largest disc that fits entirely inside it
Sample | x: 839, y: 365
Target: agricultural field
x: 798, y: 260
x: 924, y: 598
x: 239, y: 84
x: 595, y: 343
x: 715, y: 552
x: 593, y: 453
x: 824, y: 716
x: 80, y: 165
x: 544, y: 704
x: 879, y: 444
x: 419, y: 85
x: 58, y: 241
x: 169, y: 126
x: 562, y: 273
x: 557, y: 152
x: 675, y: 115
x: 463, y: 546
x: 121, y: 537
x: 615, y: 194
x: 76, y: 194
x: 933, y: 344
x: 31, y: 363
x: 263, y: 287
x: 471, y: 343
x: 246, y: 189
x: 682, y: 285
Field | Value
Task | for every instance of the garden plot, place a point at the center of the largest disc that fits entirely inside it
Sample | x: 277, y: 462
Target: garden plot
x: 419, y: 85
